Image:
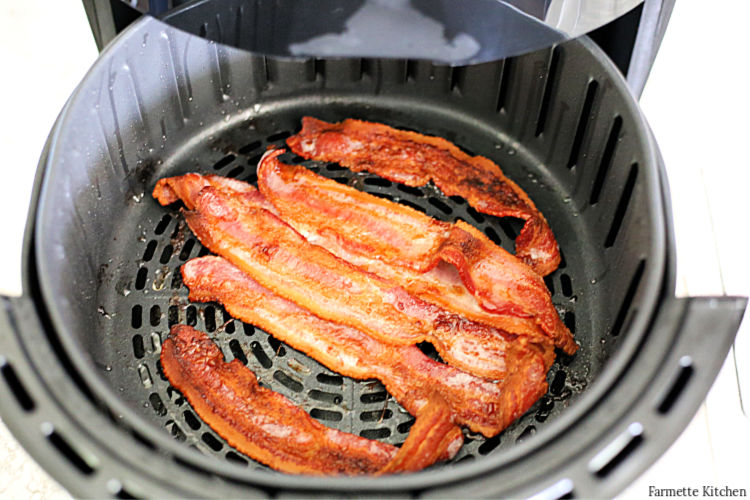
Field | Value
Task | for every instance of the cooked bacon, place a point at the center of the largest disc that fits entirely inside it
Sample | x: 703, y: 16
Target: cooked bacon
x: 269, y: 428
x: 415, y: 159
x: 408, y: 375
x: 408, y: 247
x: 282, y: 260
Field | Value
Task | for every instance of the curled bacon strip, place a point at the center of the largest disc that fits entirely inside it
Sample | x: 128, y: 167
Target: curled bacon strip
x: 415, y: 159
x: 408, y: 375
x: 269, y: 428
x: 407, y: 247
x: 282, y: 260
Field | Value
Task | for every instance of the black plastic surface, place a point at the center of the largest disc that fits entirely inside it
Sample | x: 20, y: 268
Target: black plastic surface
x: 159, y: 102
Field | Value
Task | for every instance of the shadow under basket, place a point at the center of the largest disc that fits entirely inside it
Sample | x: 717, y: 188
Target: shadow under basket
x: 81, y: 384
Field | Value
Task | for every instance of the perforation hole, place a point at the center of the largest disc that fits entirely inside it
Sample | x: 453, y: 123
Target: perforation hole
x: 374, y: 397
x: 380, y: 433
x: 566, y: 285
x: 333, y: 416
x: 414, y: 191
x: 405, y: 427
x: 211, y: 441
x: 583, y: 121
x: 140, y: 278
x: 66, y: 450
x: 176, y: 280
x: 526, y: 434
x: 148, y: 254
x: 224, y: 162
x: 569, y: 318
x: 546, y: 405
x: 166, y: 254
x: 191, y: 420
x: 260, y: 355
x: 22, y: 396
x: 333, y: 167
x: 548, y: 87
x: 622, y: 206
x: 228, y: 322
x: 489, y: 445
x: 287, y: 381
x: 279, y: 136
x: 186, y: 249
x: 173, y: 316
x: 492, y: 235
x: 235, y: 172
x: 325, y: 378
x: 209, y: 318
x: 237, y: 351
x: 136, y: 316
x: 440, y: 205
x: 326, y: 397
x: 249, y: 148
x: 550, y: 284
x: 277, y: 347
x: 234, y: 457
x: 191, y: 316
x: 376, y: 415
x: 606, y: 162
x: 248, y: 329
x: 378, y: 181
x: 558, y: 383
x: 157, y: 404
x: 163, y: 224
x: 138, y: 349
x: 155, y: 315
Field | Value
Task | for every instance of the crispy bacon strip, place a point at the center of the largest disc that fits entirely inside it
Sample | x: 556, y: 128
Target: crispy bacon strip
x: 282, y: 260
x: 269, y: 428
x: 408, y: 375
x: 407, y: 247
x: 415, y: 159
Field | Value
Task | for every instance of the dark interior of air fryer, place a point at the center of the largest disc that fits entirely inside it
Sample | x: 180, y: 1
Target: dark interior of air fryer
x: 551, y: 119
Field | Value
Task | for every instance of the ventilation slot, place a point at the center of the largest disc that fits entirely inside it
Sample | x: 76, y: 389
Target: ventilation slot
x: 378, y: 181
x: 166, y: 254
x: 617, y: 451
x: 140, y: 278
x: 333, y: 416
x: 136, y: 316
x: 326, y: 397
x: 440, y: 205
x: 224, y: 162
x: 404, y: 427
x: 622, y: 206
x: 260, y: 355
x: 138, y: 348
x: 375, y: 416
x: 234, y: 457
x: 155, y: 315
x: 68, y: 452
x: 566, y: 285
x: 681, y: 381
x: 547, y: 96
x: 186, y: 249
x: 209, y: 318
x: 375, y: 397
x: 17, y: 388
x: 249, y: 148
x: 150, y: 249
x: 561, y: 490
x: 628, y: 299
x: 609, y: 152
x: 277, y: 347
x: 211, y: 441
x: 237, y: 351
x: 583, y: 122
x: 502, y: 95
x: 191, y: 316
x: 163, y: 224
x: 191, y: 420
x: 287, y: 381
x: 381, y: 433
x: 173, y: 316
x: 489, y: 445
x: 157, y: 404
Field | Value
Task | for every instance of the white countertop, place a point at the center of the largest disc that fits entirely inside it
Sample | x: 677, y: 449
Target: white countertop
x: 696, y: 101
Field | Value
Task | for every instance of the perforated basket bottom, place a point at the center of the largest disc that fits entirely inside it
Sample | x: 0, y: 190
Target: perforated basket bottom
x: 144, y: 295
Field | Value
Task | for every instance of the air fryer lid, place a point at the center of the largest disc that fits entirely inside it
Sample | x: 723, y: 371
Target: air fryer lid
x: 79, y: 362
x: 447, y: 31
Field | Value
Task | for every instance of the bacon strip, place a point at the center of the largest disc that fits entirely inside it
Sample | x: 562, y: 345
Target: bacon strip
x: 408, y: 375
x: 269, y: 428
x: 280, y: 259
x: 407, y: 247
x: 415, y: 159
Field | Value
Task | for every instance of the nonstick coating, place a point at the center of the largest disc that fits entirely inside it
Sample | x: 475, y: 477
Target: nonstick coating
x: 160, y: 102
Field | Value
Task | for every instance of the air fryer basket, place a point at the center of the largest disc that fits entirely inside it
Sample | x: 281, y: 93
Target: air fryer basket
x: 82, y: 387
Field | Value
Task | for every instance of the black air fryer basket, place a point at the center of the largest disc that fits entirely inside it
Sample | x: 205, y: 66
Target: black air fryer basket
x: 81, y: 384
